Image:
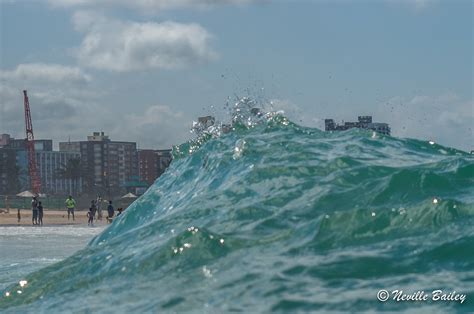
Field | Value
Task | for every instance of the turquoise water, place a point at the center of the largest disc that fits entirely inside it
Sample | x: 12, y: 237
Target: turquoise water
x: 25, y: 249
x: 275, y: 217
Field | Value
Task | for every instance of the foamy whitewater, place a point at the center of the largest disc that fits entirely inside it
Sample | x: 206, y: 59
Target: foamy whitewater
x: 273, y: 216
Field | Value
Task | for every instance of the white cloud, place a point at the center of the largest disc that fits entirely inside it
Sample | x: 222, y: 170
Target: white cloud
x: 157, y: 126
x: 446, y: 119
x: 64, y: 103
x: 147, y: 5
x: 295, y: 113
x: 59, y: 112
x: 45, y: 72
x: 59, y: 97
x: 125, y: 46
x: 155, y: 115
x: 415, y: 4
x: 55, y: 113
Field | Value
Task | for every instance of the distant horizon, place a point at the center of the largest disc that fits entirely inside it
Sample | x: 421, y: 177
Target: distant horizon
x: 84, y: 138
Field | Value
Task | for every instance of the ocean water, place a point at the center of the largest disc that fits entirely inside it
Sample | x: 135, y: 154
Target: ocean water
x: 276, y: 217
x: 27, y: 249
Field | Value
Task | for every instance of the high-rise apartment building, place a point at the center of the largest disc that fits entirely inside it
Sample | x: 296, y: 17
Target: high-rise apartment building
x: 106, y: 165
x: 152, y: 163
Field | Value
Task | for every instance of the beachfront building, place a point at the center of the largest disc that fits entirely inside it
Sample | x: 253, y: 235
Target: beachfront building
x: 9, y: 172
x: 364, y: 122
x: 20, y: 144
x: 50, y: 165
x: 106, y: 165
x: 152, y: 163
x: 4, y: 140
x: 14, y: 174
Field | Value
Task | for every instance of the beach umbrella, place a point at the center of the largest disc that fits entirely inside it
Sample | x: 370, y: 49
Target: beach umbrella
x: 129, y: 195
x: 25, y: 194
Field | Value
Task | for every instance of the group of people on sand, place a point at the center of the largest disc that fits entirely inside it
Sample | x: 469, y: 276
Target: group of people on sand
x: 37, y: 209
x: 95, y: 208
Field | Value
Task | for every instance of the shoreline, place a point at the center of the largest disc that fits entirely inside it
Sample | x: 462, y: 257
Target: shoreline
x: 50, y: 218
x: 51, y: 225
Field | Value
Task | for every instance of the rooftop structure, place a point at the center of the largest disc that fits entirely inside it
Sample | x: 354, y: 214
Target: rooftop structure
x: 97, y: 137
x: 364, y: 122
x: 6, y: 141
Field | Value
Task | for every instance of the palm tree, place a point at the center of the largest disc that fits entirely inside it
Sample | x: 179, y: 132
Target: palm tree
x: 72, y: 170
x: 13, y: 179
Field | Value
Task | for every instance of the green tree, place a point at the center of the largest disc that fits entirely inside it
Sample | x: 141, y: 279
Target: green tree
x: 13, y: 179
x: 72, y: 170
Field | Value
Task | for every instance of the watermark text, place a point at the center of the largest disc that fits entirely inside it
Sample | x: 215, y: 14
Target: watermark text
x: 421, y: 296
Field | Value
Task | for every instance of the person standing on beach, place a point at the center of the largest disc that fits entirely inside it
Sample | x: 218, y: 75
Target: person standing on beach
x: 40, y: 214
x: 34, y: 209
x: 90, y: 215
x: 93, y: 208
x: 110, y: 211
x: 99, y: 207
x: 70, y: 205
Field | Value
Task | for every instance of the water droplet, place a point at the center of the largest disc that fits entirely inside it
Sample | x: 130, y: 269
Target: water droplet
x: 239, y: 148
x: 327, y: 216
x: 435, y: 201
x: 221, y: 241
x: 207, y: 272
x: 373, y: 214
x: 187, y: 245
x: 454, y: 206
x: 19, y: 292
x: 431, y: 142
x: 23, y: 283
x: 7, y: 294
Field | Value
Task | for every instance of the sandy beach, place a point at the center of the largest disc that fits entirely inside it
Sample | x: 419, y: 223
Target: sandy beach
x: 51, y: 217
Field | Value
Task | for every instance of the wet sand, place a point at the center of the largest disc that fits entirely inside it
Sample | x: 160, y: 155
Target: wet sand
x: 50, y: 217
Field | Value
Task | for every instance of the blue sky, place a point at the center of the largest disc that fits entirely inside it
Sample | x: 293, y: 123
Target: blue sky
x: 143, y: 70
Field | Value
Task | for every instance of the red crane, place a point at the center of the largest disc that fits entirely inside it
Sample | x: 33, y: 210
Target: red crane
x: 30, y: 149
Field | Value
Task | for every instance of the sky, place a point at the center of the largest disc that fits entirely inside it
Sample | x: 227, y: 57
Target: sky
x: 143, y: 70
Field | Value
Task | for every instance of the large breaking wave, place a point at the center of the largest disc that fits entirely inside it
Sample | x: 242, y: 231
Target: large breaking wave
x: 273, y: 216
